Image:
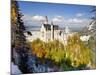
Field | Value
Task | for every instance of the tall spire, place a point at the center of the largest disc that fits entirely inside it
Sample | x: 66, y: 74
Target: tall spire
x: 46, y: 22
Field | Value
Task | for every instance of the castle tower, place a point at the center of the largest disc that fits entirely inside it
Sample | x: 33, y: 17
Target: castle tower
x: 52, y: 32
x: 46, y: 22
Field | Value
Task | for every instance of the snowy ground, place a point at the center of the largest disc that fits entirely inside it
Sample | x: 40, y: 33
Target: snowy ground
x: 14, y: 69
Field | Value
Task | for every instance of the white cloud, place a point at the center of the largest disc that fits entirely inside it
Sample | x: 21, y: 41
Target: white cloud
x: 78, y: 22
x: 75, y: 20
x: 33, y: 20
x: 38, y: 18
x: 79, y: 14
x: 58, y: 19
x: 27, y: 20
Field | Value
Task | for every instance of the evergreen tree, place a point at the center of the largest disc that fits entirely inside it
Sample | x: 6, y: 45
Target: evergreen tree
x: 20, y: 48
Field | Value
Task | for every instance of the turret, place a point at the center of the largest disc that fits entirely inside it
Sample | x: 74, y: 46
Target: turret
x: 52, y: 32
x: 46, y: 22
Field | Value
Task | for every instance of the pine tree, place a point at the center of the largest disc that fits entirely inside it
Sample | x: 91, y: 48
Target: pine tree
x: 19, y: 45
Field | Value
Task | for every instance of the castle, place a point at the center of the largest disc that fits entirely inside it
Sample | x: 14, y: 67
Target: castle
x: 49, y: 32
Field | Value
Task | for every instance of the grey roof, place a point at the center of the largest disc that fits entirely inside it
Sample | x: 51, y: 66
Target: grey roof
x: 48, y: 27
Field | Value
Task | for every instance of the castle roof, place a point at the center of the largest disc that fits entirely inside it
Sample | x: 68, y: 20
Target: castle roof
x: 48, y: 27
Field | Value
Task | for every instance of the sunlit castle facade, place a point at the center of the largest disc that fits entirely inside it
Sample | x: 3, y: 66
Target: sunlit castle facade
x: 49, y: 32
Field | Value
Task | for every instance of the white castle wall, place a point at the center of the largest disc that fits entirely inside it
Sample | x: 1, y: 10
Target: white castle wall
x: 45, y: 36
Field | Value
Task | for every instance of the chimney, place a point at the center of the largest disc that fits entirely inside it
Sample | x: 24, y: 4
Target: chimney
x: 52, y: 31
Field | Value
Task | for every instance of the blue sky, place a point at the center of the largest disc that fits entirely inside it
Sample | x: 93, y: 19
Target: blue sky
x: 68, y: 14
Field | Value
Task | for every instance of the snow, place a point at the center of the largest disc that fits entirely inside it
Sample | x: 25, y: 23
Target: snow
x: 15, y: 69
x: 85, y: 38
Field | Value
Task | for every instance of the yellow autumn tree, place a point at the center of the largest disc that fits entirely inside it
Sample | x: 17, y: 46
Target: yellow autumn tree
x: 37, y: 48
x: 77, y: 52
